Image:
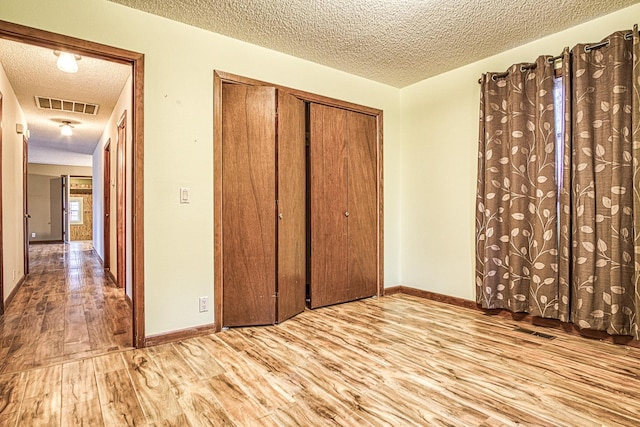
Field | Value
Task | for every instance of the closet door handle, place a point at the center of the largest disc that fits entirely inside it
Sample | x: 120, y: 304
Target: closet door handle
x: 280, y: 215
x: 346, y: 213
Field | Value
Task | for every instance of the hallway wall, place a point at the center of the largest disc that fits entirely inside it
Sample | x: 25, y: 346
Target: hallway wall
x: 12, y: 194
x: 110, y: 133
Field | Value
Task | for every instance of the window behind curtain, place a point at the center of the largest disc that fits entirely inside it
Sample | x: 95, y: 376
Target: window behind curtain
x: 558, y: 95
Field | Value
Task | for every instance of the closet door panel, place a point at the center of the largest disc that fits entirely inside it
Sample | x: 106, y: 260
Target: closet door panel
x: 248, y: 204
x: 291, y: 285
x: 328, y: 158
x: 362, y: 223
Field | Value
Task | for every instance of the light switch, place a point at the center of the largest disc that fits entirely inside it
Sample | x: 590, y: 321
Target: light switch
x: 184, y: 195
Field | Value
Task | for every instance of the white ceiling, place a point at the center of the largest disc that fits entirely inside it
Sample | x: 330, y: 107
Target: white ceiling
x: 32, y: 72
x: 398, y: 42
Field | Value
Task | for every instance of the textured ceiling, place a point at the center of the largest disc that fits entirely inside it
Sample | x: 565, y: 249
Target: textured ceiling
x: 397, y: 42
x: 32, y: 72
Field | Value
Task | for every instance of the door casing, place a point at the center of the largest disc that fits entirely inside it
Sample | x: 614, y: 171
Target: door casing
x: 106, y: 205
x: 55, y: 41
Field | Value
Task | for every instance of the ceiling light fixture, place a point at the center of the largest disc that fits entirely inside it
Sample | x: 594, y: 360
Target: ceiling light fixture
x: 67, y: 62
x: 66, y: 129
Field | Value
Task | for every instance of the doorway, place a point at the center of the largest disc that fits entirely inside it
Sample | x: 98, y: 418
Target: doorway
x: 53, y: 41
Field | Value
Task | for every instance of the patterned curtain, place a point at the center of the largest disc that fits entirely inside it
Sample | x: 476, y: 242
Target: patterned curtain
x: 635, y: 130
x: 605, y: 207
x: 516, y: 216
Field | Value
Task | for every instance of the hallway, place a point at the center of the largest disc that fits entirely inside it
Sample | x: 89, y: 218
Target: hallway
x: 66, y: 309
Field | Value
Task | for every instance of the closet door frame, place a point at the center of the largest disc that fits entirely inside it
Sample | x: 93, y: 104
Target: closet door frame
x: 220, y: 77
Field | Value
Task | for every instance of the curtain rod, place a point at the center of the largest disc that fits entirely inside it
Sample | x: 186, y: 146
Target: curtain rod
x: 552, y: 59
x: 605, y: 43
x: 523, y: 68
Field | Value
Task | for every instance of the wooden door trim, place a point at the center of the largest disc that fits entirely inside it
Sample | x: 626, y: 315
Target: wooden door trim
x: 1, y: 228
x: 306, y: 96
x: 220, y: 77
x: 25, y: 201
x: 55, y: 41
x: 121, y: 202
x: 106, y: 204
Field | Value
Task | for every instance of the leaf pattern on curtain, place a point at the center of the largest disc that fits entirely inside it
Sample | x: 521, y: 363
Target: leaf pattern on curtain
x: 516, y: 221
x: 604, y: 165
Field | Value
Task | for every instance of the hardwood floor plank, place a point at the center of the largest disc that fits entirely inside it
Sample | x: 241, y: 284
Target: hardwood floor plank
x: 85, y: 413
x: 43, y: 397
x: 78, y: 382
x: 240, y: 407
x: 12, y: 388
x: 198, y: 358
x: 201, y: 407
x: 118, y: 400
x: 154, y: 391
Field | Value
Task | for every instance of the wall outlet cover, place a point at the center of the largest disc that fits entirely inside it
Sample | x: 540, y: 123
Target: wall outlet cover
x: 204, y: 304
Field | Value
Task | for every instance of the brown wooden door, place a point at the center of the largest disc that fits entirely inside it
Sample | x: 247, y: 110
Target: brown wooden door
x: 362, y: 195
x: 344, y: 226
x: 329, y: 245
x: 106, y: 204
x: 291, y: 284
x: 248, y: 205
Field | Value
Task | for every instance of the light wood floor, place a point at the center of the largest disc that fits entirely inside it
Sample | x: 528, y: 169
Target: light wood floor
x: 393, y: 361
x: 66, y: 309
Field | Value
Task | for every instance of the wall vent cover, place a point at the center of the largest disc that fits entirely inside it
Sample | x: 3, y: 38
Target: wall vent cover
x: 46, y: 103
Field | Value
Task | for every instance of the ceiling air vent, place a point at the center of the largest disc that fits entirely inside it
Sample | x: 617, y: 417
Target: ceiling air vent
x: 55, y: 104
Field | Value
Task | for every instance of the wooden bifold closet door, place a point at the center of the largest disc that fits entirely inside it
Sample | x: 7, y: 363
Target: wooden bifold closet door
x: 263, y: 205
x: 344, y: 225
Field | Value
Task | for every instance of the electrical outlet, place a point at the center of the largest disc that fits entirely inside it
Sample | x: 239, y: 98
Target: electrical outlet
x: 33, y: 234
x: 204, y: 304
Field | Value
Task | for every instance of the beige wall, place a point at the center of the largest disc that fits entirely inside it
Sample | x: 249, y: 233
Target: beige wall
x: 110, y: 133
x: 179, y: 64
x: 39, y: 196
x: 45, y: 222
x: 439, y: 155
x: 12, y: 197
